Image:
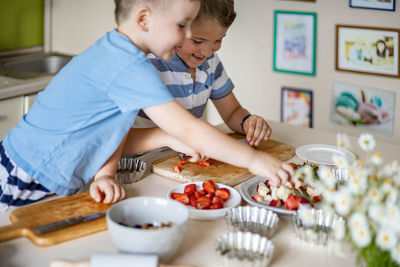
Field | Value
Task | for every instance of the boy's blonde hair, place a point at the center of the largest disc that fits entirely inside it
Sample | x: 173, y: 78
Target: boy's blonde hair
x: 221, y: 10
x: 123, y: 8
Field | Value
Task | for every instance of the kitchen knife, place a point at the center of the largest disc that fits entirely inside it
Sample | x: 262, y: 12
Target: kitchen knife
x: 67, y: 222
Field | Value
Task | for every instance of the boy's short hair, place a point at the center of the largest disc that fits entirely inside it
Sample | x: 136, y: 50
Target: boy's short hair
x: 124, y: 7
x: 221, y: 10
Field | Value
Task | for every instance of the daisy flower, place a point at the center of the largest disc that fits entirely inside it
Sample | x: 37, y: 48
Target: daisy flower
x: 374, y: 195
x: 329, y: 194
x: 376, y: 158
x: 340, y: 161
x: 361, y: 236
x: 377, y: 213
x: 326, y: 176
x: 306, y: 215
x: 357, y: 183
x: 358, y: 220
x: 366, y: 142
x: 386, y: 239
x: 391, y: 168
x: 342, y: 140
x: 343, y: 202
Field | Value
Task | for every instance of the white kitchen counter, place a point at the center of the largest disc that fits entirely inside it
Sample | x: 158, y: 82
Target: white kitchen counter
x: 198, y: 244
x: 10, y: 87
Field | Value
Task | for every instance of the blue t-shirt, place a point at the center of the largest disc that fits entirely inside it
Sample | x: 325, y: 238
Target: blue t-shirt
x: 80, y: 119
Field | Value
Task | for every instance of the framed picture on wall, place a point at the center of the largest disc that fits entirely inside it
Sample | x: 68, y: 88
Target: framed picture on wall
x: 368, y: 50
x: 295, y: 42
x: 297, y: 107
x: 388, y: 5
x: 362, y: 107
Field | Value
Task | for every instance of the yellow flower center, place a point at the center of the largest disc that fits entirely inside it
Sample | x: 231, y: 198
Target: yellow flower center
x: 374, y: 193
x: 362, y: 233
x: 385, y: 238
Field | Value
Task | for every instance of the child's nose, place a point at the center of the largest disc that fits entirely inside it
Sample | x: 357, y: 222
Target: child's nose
x: 188, y: 33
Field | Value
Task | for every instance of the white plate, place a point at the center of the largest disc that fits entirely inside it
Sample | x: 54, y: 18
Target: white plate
x: 323, y: 154
x: 249, y: 189
x: 198, y: 214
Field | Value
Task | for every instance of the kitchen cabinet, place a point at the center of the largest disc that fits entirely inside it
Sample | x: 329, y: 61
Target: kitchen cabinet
x: 11, y: 111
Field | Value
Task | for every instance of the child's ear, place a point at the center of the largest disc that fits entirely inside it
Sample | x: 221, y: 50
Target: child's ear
x: 143, y: 18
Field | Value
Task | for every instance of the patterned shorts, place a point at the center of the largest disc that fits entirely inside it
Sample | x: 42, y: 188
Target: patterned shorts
x: 17, y: 188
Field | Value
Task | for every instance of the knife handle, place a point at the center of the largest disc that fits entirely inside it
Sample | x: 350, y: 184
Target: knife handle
x: 57, y: 225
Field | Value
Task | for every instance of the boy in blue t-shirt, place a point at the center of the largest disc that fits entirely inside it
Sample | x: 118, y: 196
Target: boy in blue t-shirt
x: 78, y: 127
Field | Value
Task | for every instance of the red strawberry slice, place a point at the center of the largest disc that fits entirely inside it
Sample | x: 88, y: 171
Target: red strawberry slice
x: 209, y: 186
x: 203, y: 205
x: 200, y: 193
x: 182, y: 162
x: 175, y: 195
x: 177, y: 169
x: 301, y: 200
x: 192, y: 201
x: 275, y: 203
x: 316, y: 198
x: 183, y: 198
x: 216, y: 200
x: 223, y: 193
x: 258, y: 198
x: 292, y: 203
x: 217, y: 206
x: 190, y: 188
x: 203, y: 163
x: 204, y: 199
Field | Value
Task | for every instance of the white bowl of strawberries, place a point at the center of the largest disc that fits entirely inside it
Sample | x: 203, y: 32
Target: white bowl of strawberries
x: 206, y: 200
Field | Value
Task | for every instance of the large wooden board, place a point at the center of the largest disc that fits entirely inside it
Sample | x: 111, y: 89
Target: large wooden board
x: 25, y: 219
x: 219, y: 172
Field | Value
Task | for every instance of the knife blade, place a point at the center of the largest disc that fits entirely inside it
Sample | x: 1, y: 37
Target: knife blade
x: 39, y: 230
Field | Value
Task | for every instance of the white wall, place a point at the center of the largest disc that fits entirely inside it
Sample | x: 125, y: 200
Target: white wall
x: 247, y: 52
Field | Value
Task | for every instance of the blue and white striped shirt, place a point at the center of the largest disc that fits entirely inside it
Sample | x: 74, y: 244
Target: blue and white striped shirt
x: 211, y: 82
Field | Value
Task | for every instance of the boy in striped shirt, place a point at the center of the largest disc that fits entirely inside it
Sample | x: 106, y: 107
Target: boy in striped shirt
x: 196, y: 74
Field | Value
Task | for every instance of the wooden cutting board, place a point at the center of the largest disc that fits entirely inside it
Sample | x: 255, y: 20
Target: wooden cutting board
x: 25, y: 219
x: 219, y: 172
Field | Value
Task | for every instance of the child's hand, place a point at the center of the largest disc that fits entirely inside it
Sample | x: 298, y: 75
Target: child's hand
x: 271, y: 167
x: 107, y: 190
x: 256, y: 129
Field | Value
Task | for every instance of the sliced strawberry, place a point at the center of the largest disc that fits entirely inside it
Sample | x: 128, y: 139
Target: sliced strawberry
x: 209, y: 186
x: 204, y: 199
x: 210, y: 195
x: 258, y: 198
x: 175, y: 195
x: 301, y: 200
x: 223, y: 193
x: 177, y: 169
x: 182, y: 162
x: 294, y: 165
x: 190, y: 188
x: 291, y: 203
x: 203, y: 163
x: 200, y: 193
x: 183, y: 198
x: 275, y: 203
x: 203, y: 205
x: 217, y: 206
x: 192, y: 201
x: 316, y: 198
x: 216, y: 200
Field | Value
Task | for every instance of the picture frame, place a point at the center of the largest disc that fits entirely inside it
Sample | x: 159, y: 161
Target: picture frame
x: 368, y: 50
x: 295, y: 42
x: 362, y: 107
x: 387, y: 5
x: 297, y: 106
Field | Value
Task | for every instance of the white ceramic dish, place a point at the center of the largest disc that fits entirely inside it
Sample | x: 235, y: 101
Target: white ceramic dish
x: 249, y: 189
x: 163, y: 242
x: 198, y: 214
x: 323, y: 154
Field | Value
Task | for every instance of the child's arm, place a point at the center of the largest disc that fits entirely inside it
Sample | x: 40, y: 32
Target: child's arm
x: 104, y: 187
x: 208, y: 141
x: 255, y: 127
x: 145, y: 139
